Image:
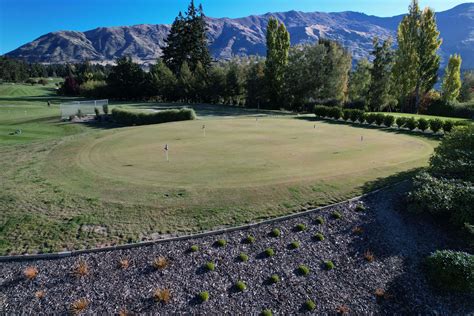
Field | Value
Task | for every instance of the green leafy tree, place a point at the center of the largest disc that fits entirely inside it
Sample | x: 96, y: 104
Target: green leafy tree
x: 278, y: 45
x: 126, y: 79
x: 379, y: 91
x: 235, y: 84
x: 217, y: 83
x: 163, y: 81
x: 452, y: 79
x: 467, y: 88
x: 255, y: 84
x: 186, y: 83
x: 359, y: 82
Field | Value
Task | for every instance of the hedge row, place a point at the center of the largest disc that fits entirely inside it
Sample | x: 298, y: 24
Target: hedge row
x: 380, y: 119
x: 128, y: 117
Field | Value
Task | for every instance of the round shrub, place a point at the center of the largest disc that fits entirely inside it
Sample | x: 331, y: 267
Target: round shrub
x: 303, y: 270
x: 346, y: 114
x: 335, y: 112
x: 357, y: 115
x: 310, y: 305
x: 243, y: 257
x: 329, y: 265
x: 379, y: 118
x: 388, y: 120
x: 448, y: 126
x: 319, y: 220
x: 436, y: 125
x: 423, y: 124
x: 275, y: 232
x: 336, y: 215
x: 294, y: 245
x: 204, y: 296
x: 300, y: 227
x: 451, y: 269
x: 266, y: 312
x: 360, y: 208
x: 321, y: 111
x: 194, y: 248
x: 221, y: 242
x: 411, y: 123
x: 370, y: 118
x: 210, y: 266
x: 319, y: 236
x: 275, y: 278
x: 269, y: 252
x: 240, y: 286
x: 249, y: 239
x: 401, y: 121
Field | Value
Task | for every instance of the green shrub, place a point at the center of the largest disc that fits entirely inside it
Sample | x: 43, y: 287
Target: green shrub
x: 357, y: 115
x: 96, y: 111
x: 448, y: 126
x: 423, y: 124
x: 243, y: 257
x: 379, y: 118
x: 335, y: 112
x: 388, y: 120
x: 360, y: 208
x: 275, y: 278
x: 249, y: 239
x: 346, y: 114
x: 336, y: 215
x: 319, y: 220
x: 451, y: 270
x: 370, y: 118
x: 401, y: 121
x: 266, y: 312
x: 210, y: 266
x: 93, y: 89
x: 310, y: 305
x: 240, y: 286
x: 129, y: 117
x: 304, y: 270
x: 300, y: 227
x: 275, y: 232
x: 411, y: 123
x: 204, y: 296
x: 321, y: 111
x: 329, y: 265
x: 221, y: 242
x: 105, y: 109
x: 294, y: 245
x: 269, y: 252
x: 319, y: 236
x: 194, y: 248
x: 436, y: 125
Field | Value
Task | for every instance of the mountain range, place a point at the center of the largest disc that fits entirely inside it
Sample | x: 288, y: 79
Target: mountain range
x: 246, y: 36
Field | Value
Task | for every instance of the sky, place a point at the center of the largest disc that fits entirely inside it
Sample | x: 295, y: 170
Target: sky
x: 22, y: 21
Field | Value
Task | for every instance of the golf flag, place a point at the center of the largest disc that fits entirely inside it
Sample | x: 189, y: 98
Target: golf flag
x: 166, y: 151
x: 166, y: 147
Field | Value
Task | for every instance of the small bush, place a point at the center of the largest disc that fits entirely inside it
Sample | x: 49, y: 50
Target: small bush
x: 401, y: 121
x: 319, y: 220
x: 221, y: 243
x: 319, y: 236
x: 303, y: 270
x: 300, y: 227
x: 269, y: 252
x: 204, y: 296
x: 40, y: 294
x: 411, y: 123
x: 249, y: 239
x: 123, y: 264
x: 335, y: 112
x: 96, y: 111
x: 162, y: 296
x: 320, y: 111
x: 388, y: 120
x: 194, y: 248
x: 452, y: 270
x: 360, y: 208
x: 448, y: 126
x: 336, y: 215
x: 357, y: 115
x: 30, y: 273
x: 266, y: 312
x: 370, y: 118
x: 240, y: 286
x: 310, y: 305
x: 79, y: 306
x: 160, y: 263
x: 243, y: 257
x: 358, y: 230
x: 329, y: 265
x: 369, y: 256
x: 105, y: 109
x: 275, y: 278
x: 129, y: 117
x: 294, y: 245
x: 275, y: 232
x: 210, y: 266
x: 346, y: 114
x: 81, y: 269
x: 436, y: 125
x: 423, y: 124
x: 379, y: 118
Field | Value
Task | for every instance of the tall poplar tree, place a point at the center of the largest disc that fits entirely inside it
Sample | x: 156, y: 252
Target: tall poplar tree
x: 278, y: 46
x: 417, y: 62
x: 452, y: 79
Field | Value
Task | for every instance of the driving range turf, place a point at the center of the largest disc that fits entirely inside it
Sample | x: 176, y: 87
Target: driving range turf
x: 79, y: 187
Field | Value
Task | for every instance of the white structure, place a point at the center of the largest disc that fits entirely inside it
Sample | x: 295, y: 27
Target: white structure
x: 86, y: 107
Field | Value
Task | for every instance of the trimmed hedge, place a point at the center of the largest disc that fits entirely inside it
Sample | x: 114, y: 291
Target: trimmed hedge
x: 128, y: 117
x: 451, y: 270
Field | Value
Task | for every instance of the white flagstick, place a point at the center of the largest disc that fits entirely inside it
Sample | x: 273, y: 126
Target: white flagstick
x: 204, y: 130
x: 361, y: 138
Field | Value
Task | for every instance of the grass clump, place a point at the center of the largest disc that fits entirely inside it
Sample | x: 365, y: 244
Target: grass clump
x: 310, y: 305
x: 203, y: 296
x: 275, y: 232
x: 369, y: 256
x: 123, y: 264
x: 266, y: 312
x: 300, y: 227
x: 162, y: 296
x: 210, y: 266
x: 221, y: 243
x: 303, y: 270
x: 194, y: 248
x: 275, y: 278
x: 329, y: 265
x: 269, y: 252
x: 160, y: 263
x: 30, y: 273
x: 294, y: 245
x: 319, y: 220
x: 81, y: 269
x: 249, y: 239
x: 240, y: 286
x: 79, y: 306
x: 40, y: 294
x: 319, y: 236
x: 336, y: 215
x: 243, y: 257
x: 360, y: 208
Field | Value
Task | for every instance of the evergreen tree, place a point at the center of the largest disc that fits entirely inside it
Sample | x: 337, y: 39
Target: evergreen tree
x: 217, y: 84
x: 379, y: 92
x: 235, y: 84
x: 452, y: 79
x: 255, y: 84
x: 359, y: 83
x: 126, y: 79
x: 163, y: 81
x: 174, y: 53
x: 186, y: 83
x: 278, y: 45
x: 417, y: 61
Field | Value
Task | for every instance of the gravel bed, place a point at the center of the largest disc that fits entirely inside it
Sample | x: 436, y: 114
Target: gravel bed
x: 397, y: 240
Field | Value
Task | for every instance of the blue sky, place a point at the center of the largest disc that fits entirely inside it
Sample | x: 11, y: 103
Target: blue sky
x: 22, y: 21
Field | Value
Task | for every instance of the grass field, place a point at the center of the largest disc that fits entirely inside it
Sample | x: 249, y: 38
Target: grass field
x: 68, y: 186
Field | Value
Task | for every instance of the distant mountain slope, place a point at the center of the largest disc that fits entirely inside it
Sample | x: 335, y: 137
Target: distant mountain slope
x: 246, y: 36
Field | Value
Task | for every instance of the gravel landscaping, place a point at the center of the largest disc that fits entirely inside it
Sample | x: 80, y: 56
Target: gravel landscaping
x: 367, y: 260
